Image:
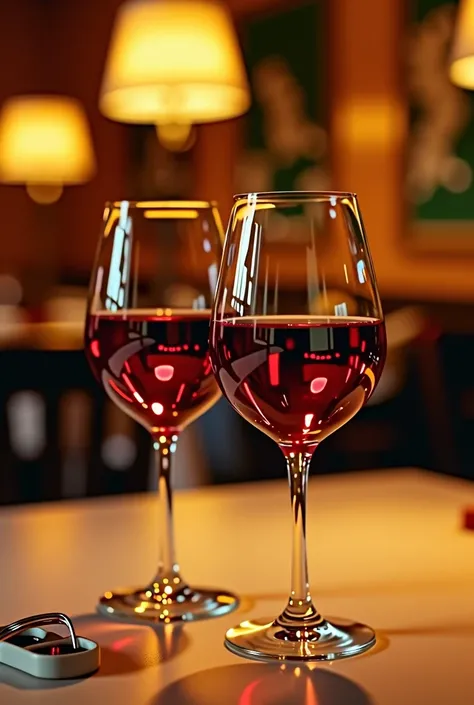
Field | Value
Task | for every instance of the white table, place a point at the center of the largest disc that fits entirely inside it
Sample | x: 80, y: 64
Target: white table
x: 386, y: 548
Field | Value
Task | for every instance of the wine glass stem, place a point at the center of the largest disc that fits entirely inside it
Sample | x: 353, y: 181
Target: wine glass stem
x: 164, y: 452
x: 300, y: 608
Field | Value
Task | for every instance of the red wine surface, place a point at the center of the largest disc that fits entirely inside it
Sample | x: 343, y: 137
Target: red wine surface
x: 156, y: 368
x: 298, y: 379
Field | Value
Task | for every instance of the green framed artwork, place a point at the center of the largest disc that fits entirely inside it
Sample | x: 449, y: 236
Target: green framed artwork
x: 440, y: 161
x: 285, y: 132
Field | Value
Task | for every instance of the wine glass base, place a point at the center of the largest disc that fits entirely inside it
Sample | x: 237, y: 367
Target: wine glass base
x: 266, y: 640
x: 192, y: 604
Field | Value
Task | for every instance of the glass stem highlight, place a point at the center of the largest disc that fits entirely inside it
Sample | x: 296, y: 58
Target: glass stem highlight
x: 164, y: 451
x: 300, y: 610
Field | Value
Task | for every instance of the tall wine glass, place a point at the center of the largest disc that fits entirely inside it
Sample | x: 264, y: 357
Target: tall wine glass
x: 297, y: 345
x: 146, y: 340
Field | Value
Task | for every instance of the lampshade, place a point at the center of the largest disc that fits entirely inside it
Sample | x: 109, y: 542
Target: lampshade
x: 44, y: 140
x: 173, y: 62
x: 462, y: 57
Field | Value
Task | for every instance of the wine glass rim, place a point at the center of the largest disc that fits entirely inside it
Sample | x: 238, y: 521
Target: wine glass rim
x: 195, y: 205
x: 296, y: 195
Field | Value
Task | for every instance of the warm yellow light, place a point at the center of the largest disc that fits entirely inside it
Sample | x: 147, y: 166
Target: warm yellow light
x: 173, y: 204
x: 371, y: 377
x: 247, y: 211
x: 169, y: 214
x: 44, y: 140
x: 45, y: 194
x: 372, y: 122
x: 174, y: 62
x: 462, y: 57
x: 176, y: 138
x: 225, y: 599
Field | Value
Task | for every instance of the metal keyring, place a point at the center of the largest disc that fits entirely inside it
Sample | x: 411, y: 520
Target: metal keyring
x: 39, y: 620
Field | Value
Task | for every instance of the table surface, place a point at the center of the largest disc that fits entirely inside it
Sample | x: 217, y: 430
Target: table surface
x: 386, y: 548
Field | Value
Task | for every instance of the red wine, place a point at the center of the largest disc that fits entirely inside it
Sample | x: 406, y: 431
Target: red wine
x: 298, y: 379
x: 155, y: 367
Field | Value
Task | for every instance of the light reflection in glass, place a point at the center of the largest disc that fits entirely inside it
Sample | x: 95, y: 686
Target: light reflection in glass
x: 212, y: 272
x: 341, y: 309
x: 164, y: 372
x: 317, y: 385
x: 361, y: 271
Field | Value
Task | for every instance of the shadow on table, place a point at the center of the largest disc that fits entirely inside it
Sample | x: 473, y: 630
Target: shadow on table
x: 432, y: 629
x: 126, y: 648
x: 259, y: 684
x: 23, y: 681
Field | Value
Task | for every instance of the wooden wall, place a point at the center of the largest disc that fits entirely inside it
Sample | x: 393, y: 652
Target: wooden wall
x: 81, y: 40
x: 17, y: 52
x: 369, y: 87
x: 368, y: 132
x: 60, y: 46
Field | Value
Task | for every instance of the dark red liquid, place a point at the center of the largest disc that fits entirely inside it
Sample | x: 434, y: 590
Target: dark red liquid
x: 298, y: 381
x: 157, y: 369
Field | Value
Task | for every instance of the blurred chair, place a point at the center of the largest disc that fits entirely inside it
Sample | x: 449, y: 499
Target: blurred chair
x: 407, y: 421
x: 60, y: 437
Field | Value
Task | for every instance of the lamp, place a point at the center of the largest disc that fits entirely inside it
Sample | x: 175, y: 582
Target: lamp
x: 173, y: 63
x: 462, y: 57
x: 44, y: 143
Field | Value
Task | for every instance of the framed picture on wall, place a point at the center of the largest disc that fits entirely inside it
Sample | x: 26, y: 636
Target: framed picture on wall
x: 439, y: 176
x: 284, y: 135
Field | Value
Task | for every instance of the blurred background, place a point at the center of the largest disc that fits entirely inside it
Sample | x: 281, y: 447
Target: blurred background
x: 344, y: 95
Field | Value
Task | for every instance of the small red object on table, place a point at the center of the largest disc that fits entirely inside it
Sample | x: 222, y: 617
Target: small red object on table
x: 468, y: 519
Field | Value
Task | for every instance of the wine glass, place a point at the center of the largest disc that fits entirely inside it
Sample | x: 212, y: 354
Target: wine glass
x: 146, y: 339
x: 297, y: 345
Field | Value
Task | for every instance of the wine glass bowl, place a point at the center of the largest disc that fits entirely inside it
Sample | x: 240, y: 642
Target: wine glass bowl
x: 161, y: 385
x: 306, y: 390
x: 146, y: 340
x: 297, y: 345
